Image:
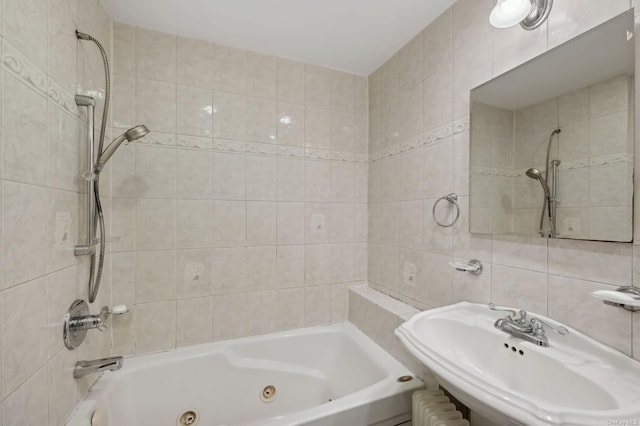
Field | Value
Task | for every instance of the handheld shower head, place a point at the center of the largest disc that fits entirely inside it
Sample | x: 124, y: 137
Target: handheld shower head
x: 130, y: 135
x: 536, y: 175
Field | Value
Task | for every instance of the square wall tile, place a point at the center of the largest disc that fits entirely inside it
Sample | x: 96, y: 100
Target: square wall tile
x: 24, y: 338
x: 24, y: 133
x: 608, y: 263
x: 291, y: 124
x: 63, y: 150
x: 229, y: 69
x: 194, y: 62
x: 194, y: 224
x: 317, y: 305
x: 261, y: 120
x: 261, y: 223
x: 290, y: 223
x: 569, y: 19
x: 261, y: 178
x: 62, y: 229
x: 124, y: 46
x: 229, y: 115
x: 290, y: 266
x: 24, y: 242
x: 156, y: 224
x: 261, y: 268
x: 26, y: 27
x: 317, y: 89
x: 156, y: 105
x: 123, y: 224
x: 261, y: 75
x: 229, y: 176
x: 63, y: 47
x: 343, y: 91
x: 290, y: 311
x: 193, y: 273
x: 124, y: 101
x: 155, y: 325
x: 437, y: 44
x: 519, y: 288
x: 61, y: 288
x: 290, y: 76
x: 317, y: 264
x: 194, y: 174
x: 155, y: 276
x: 229, y: 270
x: 605, y: 323
x: 63, y: 389
x: 229, y: 223
x: 317, y: 129
x: 155, y: 55
x: 195, y: 111
x: 29, y: 405
x: 290, y: 179
x: 195, y: 321
x: 229, y: 316
x: 262, y: 312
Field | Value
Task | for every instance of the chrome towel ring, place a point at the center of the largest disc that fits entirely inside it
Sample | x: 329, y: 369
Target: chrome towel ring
x: 451, y: 198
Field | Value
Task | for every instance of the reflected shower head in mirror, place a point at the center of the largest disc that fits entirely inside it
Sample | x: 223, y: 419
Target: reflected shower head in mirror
x: 535, y: 174
x: 130, y: 135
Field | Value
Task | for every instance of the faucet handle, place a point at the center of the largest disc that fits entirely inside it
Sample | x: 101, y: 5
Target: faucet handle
x: 501, y: 309
x: 521, y: 314
x: 538, y: 324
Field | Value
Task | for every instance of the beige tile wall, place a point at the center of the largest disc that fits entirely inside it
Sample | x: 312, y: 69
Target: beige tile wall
x: 43, y: 66
x: 245, y: 210
x: 419, y: 152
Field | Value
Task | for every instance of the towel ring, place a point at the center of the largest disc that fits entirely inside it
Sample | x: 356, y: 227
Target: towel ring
x: 453, y: 199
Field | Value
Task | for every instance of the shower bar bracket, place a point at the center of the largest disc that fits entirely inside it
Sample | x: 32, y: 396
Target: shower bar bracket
x: 89, y: 247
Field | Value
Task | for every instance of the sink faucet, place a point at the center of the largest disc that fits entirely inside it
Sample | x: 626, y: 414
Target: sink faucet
x: 519, y: 325
x: 83, y: 368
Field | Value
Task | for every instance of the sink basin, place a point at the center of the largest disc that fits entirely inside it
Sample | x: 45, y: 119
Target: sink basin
x: 574, y: 381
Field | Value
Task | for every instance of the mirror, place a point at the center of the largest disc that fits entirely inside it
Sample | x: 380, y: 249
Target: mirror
x: 551, y: 141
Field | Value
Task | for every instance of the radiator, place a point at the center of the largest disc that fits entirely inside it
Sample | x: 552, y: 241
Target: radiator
x: 433, y: 408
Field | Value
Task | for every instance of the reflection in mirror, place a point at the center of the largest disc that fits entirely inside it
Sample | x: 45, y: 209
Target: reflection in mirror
x: 551, y: 147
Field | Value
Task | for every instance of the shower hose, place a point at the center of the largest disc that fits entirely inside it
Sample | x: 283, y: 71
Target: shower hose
x: 95, y: 274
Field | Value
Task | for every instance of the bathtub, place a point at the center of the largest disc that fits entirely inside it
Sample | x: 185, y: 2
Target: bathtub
x: 321, y: 376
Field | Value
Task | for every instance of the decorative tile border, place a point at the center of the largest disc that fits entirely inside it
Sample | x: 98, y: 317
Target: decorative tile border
x: 62, y: 97
x: 317, y: 154
x: 428, y: 138
x: 261, y: 148
x: 572, y: 165
x: 610, y: 160
x: 234, y: 146
x: 21, y: 67
x: 194, y: 142
x: 605, y: 160
x: 160, y: 139
x: 227, y: 145
x: 493, y: 171
x: 290, y: 151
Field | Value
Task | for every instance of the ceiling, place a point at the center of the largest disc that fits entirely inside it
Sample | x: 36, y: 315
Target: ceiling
x: 349, y: 35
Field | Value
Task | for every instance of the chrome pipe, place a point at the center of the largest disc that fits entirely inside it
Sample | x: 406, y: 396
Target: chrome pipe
x: 554, y: 193
x: 89, y: 247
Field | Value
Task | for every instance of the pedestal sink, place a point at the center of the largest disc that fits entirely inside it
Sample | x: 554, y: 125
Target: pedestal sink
x: 574, y: 381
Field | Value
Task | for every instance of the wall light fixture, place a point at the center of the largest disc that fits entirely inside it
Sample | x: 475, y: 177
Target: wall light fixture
x: 529, y: 13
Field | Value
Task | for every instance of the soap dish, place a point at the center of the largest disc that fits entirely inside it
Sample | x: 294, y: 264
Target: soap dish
x: 623, y: 297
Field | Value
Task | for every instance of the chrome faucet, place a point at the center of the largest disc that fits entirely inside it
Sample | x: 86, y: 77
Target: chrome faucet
x: 530, y: 329
x: 84, y: 368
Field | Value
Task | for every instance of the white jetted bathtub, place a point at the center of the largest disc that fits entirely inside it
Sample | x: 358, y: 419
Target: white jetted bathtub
x: 320, y: 376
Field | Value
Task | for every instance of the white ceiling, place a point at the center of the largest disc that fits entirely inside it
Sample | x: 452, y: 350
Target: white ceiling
x: 349, y: 35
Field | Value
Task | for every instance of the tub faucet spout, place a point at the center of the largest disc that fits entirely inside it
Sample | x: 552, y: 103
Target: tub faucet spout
x: 84, y: 368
